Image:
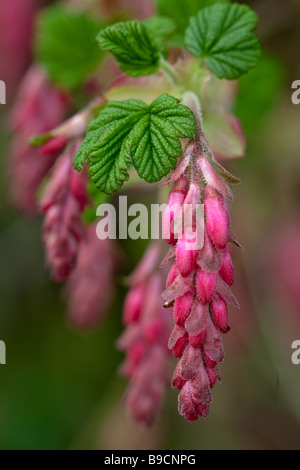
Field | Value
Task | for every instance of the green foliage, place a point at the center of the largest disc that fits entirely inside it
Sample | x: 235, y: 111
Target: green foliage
x: 161, y: 29
x: 222, y: 36
x: 66, y: 45
x: 180, y: 11
x: 131, y: 132
x: 133, y: 46
x: 39, y: 140
x: 257, y: 93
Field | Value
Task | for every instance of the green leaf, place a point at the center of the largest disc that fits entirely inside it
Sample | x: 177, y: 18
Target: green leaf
x: 222, y: 36
x: 131, y: 132
x: 133, y: 46
x: 180, y: 11
x: 160, y: 27
x: 39, y: 140
x: 66, y: 45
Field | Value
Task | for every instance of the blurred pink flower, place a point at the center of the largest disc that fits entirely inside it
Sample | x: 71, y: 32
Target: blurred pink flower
x: 145, y: 340
x: 90, y: 287
x: 63, y: 202
x: 16, y: 21
x: 38, y: 108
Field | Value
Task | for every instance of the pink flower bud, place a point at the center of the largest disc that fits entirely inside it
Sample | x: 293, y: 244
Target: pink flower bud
x: 59, y: 183
x: 219, y: 312
x: 78, y: 186
x: 190, y: 362
x: 177, y: 380
x: 174, y: 208
x: 133, y: 304
x: 200, y: 386
x: 172, y: 212
x: 203, y: 410
x: 179, y: 287
x: 72, y: 218
x: 206, y: 285
x: 197, y: 341
x: 172, y: 275
x: 227, y: 271
x: 135, y: 354
x: 212, y: 179
x: 176, y: 334
x: 54, y: 146
x: 186, y: 405
x: 225, y: 292
x: 180, y: 346
x: 182, y: 184
x: 180, y: 170
x: 210, y: 257
x: 182, y: 307
x: 61, y: 247
x: 196, y: 323
x: 193, y: 195
x: 213, y: 347
x: 216, y: 218
x: 185, y: 258
x: 213, y: 375
x: 152, y: 329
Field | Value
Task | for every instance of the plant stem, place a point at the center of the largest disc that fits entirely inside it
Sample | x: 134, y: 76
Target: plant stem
x: 168, y: 69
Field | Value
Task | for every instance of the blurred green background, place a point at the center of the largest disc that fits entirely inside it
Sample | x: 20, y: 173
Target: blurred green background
x: 60, y: 389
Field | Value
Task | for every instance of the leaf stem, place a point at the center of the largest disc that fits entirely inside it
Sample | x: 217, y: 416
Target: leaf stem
x: 169, y: 70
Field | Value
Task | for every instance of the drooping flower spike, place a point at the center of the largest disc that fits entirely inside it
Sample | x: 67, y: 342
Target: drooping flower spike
x: 90, y: 287
x: 63, y: 202
x: 200, y: 279
x: 148, y: 325
x: 39, y: 107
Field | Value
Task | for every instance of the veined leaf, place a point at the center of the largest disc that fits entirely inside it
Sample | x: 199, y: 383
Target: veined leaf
x: 131, y: 132
x: 133, y: 46
x: 180, y: 11
x: 222, y: 36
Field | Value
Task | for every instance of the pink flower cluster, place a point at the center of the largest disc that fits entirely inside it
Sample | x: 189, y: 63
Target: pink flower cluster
x: 71, y: 248
x: 63, y: 202
x: 199, y: 280
x: 16, y: 28
x: 90, y: 287
x: 145, y: 340
x: 38, y: 108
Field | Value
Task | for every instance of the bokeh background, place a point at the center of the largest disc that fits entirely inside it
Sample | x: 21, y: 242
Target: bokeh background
x: 60, y: 388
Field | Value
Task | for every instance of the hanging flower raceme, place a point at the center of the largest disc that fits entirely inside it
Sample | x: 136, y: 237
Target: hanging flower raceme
x: 15, y: 40
x: 39, y: 107
x: 200, y: 279
x: 145, y: 340
x: 90, y: 287
x: 63, y: 202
